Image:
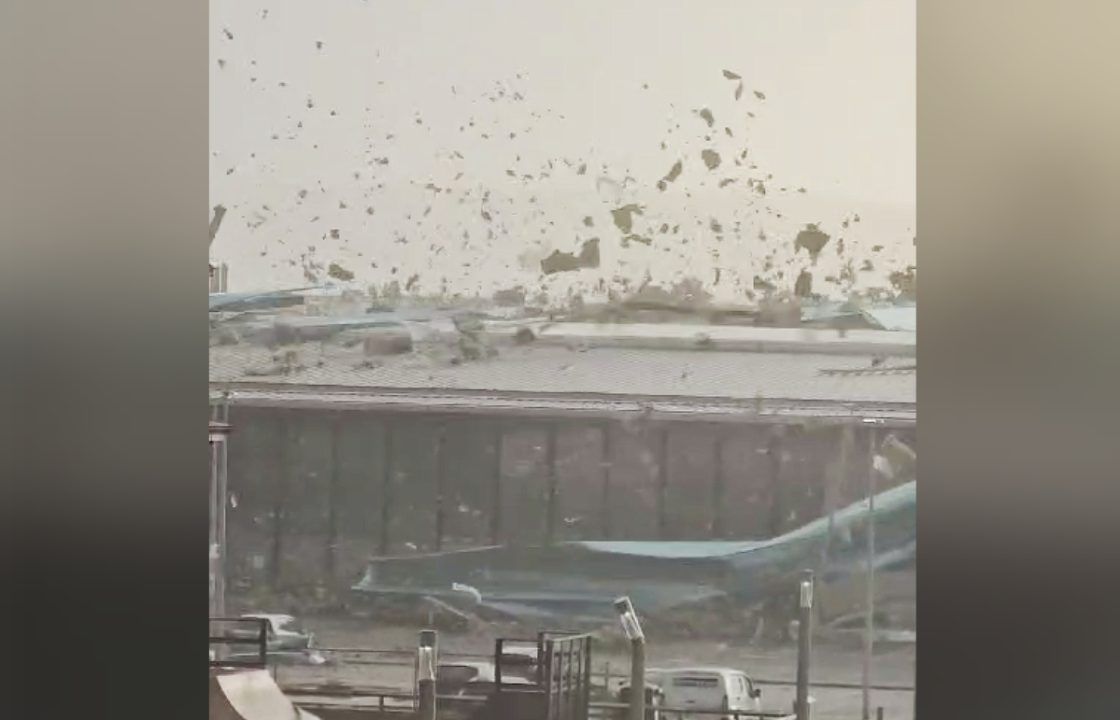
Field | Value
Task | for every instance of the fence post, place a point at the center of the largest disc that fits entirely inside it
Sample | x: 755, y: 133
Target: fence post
x: 637, y: 679
x: 633, y: 629
x: 804, y: 646
x: 426, y: 658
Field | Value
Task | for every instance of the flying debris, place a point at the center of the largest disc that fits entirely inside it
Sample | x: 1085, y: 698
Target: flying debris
x: 812, y: 239
x: 565, y: 262
x: 673, y: 174
x: 338, y: 272
x: 624, y: 216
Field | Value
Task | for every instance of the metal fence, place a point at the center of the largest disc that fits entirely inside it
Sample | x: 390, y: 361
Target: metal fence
x: 565, y: 672
x: 255, y: 636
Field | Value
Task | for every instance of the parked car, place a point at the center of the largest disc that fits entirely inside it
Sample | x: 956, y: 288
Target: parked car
x: 284, y: 631
x: 287, y: 641
x: 704, y: 688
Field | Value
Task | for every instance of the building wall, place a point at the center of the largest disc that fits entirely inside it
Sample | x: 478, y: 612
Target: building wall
x: 314, y: 494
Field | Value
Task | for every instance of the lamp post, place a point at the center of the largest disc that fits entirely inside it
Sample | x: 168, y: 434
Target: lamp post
x: 633, y: 630
x: 219, y: 434
x: 426, y: 661
x: 804, y: 646
x: 869, y: 590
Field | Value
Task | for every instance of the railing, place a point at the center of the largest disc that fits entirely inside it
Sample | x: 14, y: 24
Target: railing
x: 398, y: 657
x: 613, y: 709
x: 386, y: 702
x: 259, y: 640
x: 567, y: 666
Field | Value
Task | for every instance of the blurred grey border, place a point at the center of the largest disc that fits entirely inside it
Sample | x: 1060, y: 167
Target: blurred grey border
x: 1017, y: 180
x: 104, y: 203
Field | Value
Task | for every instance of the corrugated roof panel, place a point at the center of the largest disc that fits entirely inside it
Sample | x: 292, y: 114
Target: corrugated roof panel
x: 597, y: 371
x: 896, y: 319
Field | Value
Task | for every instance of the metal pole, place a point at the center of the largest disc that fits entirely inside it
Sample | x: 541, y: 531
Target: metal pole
x: 633, y: 629
x: 219, y: 493
x: 427, y: 662
x: 804, y: 644
x: 914, y: 695
x: 223, y: 499
x: 638, y: 679
x: 215, y: 545
x: 869, y: 604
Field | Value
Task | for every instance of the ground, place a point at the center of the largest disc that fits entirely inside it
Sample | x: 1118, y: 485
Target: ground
x: 830, y: 664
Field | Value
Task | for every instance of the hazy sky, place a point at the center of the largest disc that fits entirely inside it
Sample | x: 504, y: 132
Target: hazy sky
x: 331, y: 146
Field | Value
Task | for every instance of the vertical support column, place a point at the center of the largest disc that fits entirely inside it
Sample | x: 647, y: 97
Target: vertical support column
x: 333, y: 497
x: 869, y: 604
x: 553, y: 487
x: 215, y: 542
x: 804, y: 645
x: 285, y: 455
x: 585, y: 703
x: 441, y: 482
x: 834, y: 485
x: 718, y: 488
x: 496, y: 488
x: 219, y: 498
x: 569, y: 685
x: 427, y: 660
x: 663, y: 483
x: 633, y: 630
x: 774, y: 447
x: 777, y: 612
x: 388, y: 481
x: 605, y: 465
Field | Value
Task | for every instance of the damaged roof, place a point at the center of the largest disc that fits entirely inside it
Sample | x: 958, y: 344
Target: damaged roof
x: 579, y: 580
x: 562, y: 378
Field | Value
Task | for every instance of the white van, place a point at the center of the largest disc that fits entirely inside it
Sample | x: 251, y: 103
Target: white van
x: 704, y: 688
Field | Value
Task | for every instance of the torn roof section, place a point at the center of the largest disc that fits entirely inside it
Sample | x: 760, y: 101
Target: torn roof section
x: 683, y: 370
x: 582, y: 578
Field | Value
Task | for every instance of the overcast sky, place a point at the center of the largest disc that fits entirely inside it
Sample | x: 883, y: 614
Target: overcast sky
x: 346, y: 126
